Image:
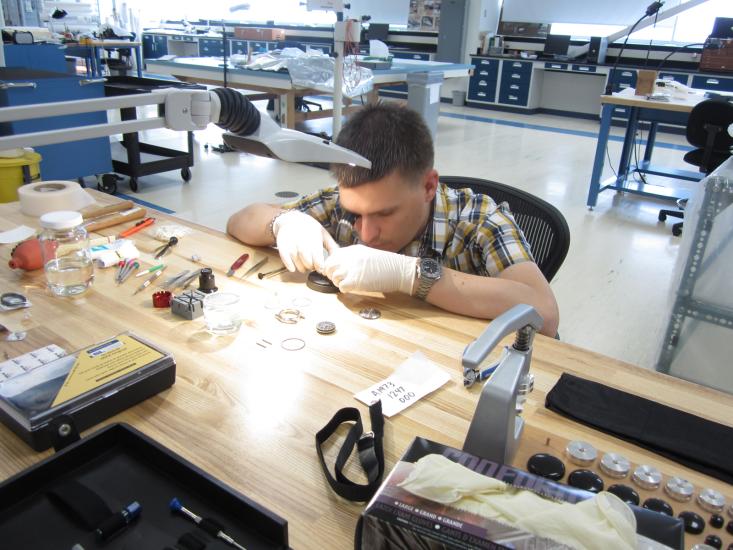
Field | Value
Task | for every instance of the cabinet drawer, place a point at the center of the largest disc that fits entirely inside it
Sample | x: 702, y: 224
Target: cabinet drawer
x: 412, y: 55
x: 677, y: 77
x: 556, y: 66
x: 482, y: 63
x: 624, y: 76
x: 716, y: 83
x: 482, y: 94
x: 620, y: 112
x: 585, y: 68
x: 511, y: 98
x: 517, y: 67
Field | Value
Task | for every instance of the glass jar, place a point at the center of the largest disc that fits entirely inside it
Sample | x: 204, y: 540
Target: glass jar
x: 67, y: 259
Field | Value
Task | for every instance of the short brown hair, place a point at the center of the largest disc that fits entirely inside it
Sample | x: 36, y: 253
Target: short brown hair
x: 392, y: 137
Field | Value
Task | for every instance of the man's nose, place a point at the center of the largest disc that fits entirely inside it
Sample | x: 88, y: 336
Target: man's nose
x: 367, y: 229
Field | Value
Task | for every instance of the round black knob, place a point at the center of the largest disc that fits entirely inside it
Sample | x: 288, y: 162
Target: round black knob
x: 714, y: 541
x: 587, y: 480
x: 658, y: 505
x: 625, y: 493
x: 547, y: 466
x: 717, y: 521
x: 694, y: 524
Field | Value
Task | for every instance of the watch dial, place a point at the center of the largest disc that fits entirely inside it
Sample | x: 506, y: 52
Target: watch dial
x: 430, y: 268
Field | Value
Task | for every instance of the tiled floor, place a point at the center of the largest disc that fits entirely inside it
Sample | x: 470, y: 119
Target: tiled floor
x: 613, y: 287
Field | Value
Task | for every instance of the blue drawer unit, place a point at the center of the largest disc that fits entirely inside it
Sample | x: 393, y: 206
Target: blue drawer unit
x: 418, y: 56
x: 682, y: 78
x: 155, y: 46
x: 515, y: 81
x: 622, y: 78
x: 211, y: 47
x: 261, y: 46
x: 714, y: 83
x: 44, y: 57
x: 63, y: 161
x: 238, y: 47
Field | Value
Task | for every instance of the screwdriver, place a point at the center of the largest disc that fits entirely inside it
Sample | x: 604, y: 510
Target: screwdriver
x: 176, y: 506
x: 237, y: 264
x: 147, y: 282
x: 255, y: 267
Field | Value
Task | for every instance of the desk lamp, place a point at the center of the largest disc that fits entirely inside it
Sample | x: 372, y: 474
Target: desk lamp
x: 497, y: 425
x: 184, y: 110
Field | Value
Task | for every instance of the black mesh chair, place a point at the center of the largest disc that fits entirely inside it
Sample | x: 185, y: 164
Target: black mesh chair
x: 707, y: 129
x: 543, y: 225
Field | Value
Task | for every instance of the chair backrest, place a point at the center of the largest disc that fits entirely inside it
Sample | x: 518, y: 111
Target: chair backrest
x: 543, y: 225
x: 718, y: 112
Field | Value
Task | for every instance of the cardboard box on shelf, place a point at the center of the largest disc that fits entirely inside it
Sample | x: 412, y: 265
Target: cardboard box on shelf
x: 259, y: 33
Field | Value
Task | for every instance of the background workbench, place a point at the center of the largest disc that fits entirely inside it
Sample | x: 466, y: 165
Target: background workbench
x: 248, y: 415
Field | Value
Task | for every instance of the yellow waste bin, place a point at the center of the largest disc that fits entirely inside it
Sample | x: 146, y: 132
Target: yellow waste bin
x: 16, y: 171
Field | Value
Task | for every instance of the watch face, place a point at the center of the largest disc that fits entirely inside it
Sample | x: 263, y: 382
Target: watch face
x: 429, y: 268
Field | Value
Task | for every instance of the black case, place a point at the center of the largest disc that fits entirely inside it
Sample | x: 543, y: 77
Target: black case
x: 40, y: 430
x: 123, y: 465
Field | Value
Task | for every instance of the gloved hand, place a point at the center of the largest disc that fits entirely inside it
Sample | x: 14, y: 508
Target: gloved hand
x: 359, y: 267
x: 300, y: 241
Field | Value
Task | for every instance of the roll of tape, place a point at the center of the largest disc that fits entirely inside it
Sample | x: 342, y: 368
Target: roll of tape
x: 47, y: 196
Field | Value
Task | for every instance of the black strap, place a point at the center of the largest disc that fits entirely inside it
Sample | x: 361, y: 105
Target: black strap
x: 369, y: 446
x: 82, y: 503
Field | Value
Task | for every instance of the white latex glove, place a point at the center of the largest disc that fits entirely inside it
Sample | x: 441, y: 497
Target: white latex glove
x: 300, y: 241
x: 359, y: 267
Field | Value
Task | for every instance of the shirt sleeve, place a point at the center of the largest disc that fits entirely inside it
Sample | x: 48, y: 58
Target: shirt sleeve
x: 321, y: 205
x: 496, y: 239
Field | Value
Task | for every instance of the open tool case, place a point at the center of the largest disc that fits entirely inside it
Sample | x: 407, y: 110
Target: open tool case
x: 122, y: 465
x: 48, y: 405
x: 395, y: 514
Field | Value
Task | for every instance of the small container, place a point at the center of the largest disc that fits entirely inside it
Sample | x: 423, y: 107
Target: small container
x: 221, y: 313
x: 67, y: 259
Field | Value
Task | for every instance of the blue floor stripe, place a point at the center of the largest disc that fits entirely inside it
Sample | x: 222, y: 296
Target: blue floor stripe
x: 146, y: 204
x: 541, y: 128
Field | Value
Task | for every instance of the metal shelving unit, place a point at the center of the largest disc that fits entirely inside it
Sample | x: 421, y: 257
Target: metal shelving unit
x: 696, y: 344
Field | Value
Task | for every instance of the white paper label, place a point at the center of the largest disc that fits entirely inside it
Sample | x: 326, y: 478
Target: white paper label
x: 413, y: 379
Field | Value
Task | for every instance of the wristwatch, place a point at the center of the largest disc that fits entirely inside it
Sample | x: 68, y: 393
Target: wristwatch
x: 428, y: 272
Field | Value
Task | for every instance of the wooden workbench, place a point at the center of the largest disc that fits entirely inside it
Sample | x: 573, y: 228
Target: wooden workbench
x: 248, y: 414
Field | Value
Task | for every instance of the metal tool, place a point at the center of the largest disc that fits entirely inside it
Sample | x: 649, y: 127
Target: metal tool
x: 271, y: 273
x: 581, y: 453
x: 255, y: 267
x: 162, y: 251
x: 647, y: 477
x: 615, y: 465
x: 147, y: 283
x: 711, y: 500
x: 188, y: 305
x: 679, y: 489
x: 176, y: 506
x: 497, y: 425
x: 237, y: 264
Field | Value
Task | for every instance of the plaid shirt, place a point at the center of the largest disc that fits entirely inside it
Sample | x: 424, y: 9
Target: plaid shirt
x: 469, y: 232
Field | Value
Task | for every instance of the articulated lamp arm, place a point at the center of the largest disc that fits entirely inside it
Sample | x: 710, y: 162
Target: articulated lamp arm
x: 183, y: 110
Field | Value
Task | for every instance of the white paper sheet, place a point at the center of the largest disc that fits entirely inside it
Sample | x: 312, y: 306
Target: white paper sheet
x: 20, y: 233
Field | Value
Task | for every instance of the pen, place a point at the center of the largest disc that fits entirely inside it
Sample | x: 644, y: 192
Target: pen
x: 237, y: 264
x: 255, y: 267
x: 146, y: 284
x: 137, y: 227
x: 127, y: 273
x: 150, y: 270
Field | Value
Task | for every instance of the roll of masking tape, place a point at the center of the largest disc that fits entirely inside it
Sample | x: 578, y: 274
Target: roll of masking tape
x: 47, y: 196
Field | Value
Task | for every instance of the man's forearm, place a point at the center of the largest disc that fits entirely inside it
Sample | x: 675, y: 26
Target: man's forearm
x: 251, y: 225
x: 488, y: 297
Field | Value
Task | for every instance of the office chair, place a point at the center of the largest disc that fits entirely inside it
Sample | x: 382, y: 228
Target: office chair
x: 543, y: 225
x: 707, y: 129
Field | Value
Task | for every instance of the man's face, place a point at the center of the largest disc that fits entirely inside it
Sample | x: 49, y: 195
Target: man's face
x: 390, y: 212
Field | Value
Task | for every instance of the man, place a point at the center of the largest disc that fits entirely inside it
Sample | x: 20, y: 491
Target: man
x: 395, y: 228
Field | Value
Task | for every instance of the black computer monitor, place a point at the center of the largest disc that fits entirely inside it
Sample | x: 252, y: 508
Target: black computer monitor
x: 378, y: 31
x: 557, y: 44
x: 723, y: 28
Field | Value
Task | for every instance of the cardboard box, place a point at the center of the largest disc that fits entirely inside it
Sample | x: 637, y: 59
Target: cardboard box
x: 645, y: 82
x: 717, y: 55
x: 395, y: 514
x: 259, y: 33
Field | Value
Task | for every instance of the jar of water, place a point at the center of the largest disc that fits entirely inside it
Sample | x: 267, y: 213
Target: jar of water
x: 67, y: 259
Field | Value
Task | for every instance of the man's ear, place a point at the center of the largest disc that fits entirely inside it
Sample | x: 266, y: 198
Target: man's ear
x: 430, y: 184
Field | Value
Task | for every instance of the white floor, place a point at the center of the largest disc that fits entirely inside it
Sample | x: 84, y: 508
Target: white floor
x: 613, y: 287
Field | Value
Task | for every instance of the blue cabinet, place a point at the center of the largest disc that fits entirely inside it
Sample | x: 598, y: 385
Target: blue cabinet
x: 211, y: 47
x: 44, y: 57
x: 238, y: 47
x: 682, y: 78
x: 516, y: 78
x: 482, y: 85
x: 64, y: 161
x: 155, y: 46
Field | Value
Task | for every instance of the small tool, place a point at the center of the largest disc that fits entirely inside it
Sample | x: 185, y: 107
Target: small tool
x: 117, y: 522
x: 150, y: 270
x: 125, y: 268
x: 271, y: 273
x: 207, y: 525
x: 173, y: 241
x: 139, y: 226
x: 255, y: 267
x: 237, y: 264
x: 207, y: 281
x: 147, y: 283
x: 127, y: 273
